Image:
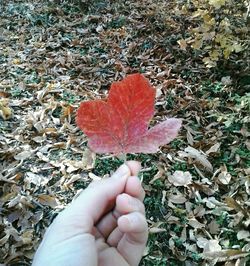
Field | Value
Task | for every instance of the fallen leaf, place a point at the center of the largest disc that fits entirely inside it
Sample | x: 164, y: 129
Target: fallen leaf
x: 158, y: 175
x: 213, y: 227
x: 155, y: 230
x: 232, y: 203
x: 183, y: 44
x: 213, y: 148
x: 180, y: 178
x: 178, y: 198
x: 5, y: 111
x: 36, y: 179
x: 212, y: 246
x: 198, y: 156
x: 201, y: 242
x: 243, y: 234
x: 120, y: 124
x: 48, y: 200
x: 73, y: 179
x: 225, y: 255
x: 23, y: 155
x: 224, y: 177
x: 88, y: 159
x: 217, y: 3
x: 195, y: 224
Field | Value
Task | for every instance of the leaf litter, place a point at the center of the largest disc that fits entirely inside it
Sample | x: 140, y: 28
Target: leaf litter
x: 55, y: 56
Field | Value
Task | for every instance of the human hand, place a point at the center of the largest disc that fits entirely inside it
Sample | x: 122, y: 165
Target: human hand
x: 104, y: 226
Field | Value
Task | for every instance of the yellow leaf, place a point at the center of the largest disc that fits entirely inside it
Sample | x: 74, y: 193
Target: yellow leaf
x: 217, y: 3
x: 183, y: 44
x: 16, y: 61
x: 208, y: 20
x: 198, y: 13
x: 197, y: 44
x: 208, y: 62
x: 237, y: 47
x: 222, y: 40
x: 227, y: 51
x: 5, y: 111
x: 214, y: 55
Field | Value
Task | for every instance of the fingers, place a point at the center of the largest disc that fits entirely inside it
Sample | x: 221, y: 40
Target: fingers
x: 132, y: 244
x: 134, y: 188
x: 124, y: 204
x: 115, y: 237
x: 134, y: 167
x: 134, y: 223
x: 90, y: 205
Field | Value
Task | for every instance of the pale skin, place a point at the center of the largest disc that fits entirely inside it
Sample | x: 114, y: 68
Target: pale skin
x: 104, y: 226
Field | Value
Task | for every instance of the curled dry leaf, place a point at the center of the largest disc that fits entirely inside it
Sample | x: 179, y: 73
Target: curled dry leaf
x: 88, y: 159
x: 224, y: 177
x: 48, y: 200
x: 225, y: 255
x: 195, y: 223
x: 214, y: 148
x: 73, y: 179
x: 243, y: 234
x: 23, y: 155
x: 36, y: 179
x: 198, y: 156
x: 212, y: 246
x: 180, y: 178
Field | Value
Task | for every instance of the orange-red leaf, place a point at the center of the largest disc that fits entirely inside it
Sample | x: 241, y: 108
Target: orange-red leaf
x: 120, y: 124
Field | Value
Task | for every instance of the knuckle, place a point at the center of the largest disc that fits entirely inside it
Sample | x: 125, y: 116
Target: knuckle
x: 137, y: 205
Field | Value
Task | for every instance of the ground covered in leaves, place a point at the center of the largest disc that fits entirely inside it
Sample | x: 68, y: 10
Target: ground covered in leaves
x: 52, y: 57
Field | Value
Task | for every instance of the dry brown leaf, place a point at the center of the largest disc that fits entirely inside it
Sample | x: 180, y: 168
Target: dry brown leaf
x: 194, y: 223
x: 88, y: 159
x: 158, y: 175
x: 48, y: 200
x: 243, y: 234
x: 178, y: 198
x: 198, y: 156
x: 23, y: 155
x: 235, y: 205
x: 212, y: 246
x: 224, y: 178
x: 180, y: 178
x: 214, y: 148
x: 213, y: 227
x: 225, y: 255
x: 73, y: 179
x: 35, y: 179
x: 183, y: 44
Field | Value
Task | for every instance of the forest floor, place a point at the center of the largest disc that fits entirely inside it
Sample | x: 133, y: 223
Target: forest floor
x: 52, y: 57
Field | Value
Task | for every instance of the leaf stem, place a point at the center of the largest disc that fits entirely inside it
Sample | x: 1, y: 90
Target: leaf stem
x: 124, y: 157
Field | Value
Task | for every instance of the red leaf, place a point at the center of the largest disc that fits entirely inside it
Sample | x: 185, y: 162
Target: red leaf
x: 120, y: 124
